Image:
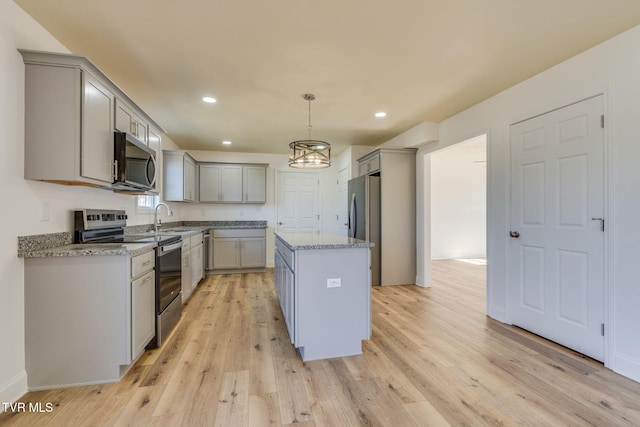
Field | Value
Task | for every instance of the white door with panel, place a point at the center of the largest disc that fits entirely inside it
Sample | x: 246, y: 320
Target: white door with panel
x: 557, y: 224
x: 298, y: 201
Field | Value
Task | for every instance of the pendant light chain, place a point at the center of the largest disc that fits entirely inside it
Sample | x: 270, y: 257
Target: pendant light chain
x: 309, y: 127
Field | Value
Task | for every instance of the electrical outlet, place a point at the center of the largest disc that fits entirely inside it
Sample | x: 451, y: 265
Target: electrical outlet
x: 45, y: 212
x: 334, y: 283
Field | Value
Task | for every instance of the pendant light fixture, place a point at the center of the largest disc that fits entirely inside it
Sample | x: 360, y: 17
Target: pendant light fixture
x: 309, y: 153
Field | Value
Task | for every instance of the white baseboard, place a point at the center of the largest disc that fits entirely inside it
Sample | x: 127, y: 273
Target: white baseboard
x: 626, y: 366
x: 13, y: 389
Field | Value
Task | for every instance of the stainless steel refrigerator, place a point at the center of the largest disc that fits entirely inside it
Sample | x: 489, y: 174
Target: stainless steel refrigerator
x: 364, y: 217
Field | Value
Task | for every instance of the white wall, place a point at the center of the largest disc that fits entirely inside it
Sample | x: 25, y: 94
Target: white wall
x: 612, y: 68
x: 458, y: 201
x: 23, y: 200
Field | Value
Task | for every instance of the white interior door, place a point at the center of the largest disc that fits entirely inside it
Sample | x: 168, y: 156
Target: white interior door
x: 298, y: 201
x: 557, y: 239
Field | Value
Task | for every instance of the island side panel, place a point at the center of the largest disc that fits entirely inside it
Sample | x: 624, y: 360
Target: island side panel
x: 332, y: 322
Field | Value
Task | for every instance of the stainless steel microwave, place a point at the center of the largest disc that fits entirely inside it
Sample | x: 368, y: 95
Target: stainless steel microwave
x: 134, y: 164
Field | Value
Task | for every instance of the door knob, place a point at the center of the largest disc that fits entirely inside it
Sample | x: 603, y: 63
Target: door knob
x: 514, y: 234
x: 279, y: 223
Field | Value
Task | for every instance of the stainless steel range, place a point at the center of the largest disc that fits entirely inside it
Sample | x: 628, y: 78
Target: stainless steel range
x: 107, y: 226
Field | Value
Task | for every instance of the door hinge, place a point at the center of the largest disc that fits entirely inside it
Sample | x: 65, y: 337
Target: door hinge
x: 602, y: 329
x: 602, y: 121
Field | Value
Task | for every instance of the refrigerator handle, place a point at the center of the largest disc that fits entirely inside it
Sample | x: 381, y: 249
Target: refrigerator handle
x: 353, y: 224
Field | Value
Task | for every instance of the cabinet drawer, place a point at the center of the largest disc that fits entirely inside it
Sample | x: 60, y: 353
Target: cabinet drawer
x: 286, y: 253
x: 240, y: 232
x: 143, y: 263
x: 186, y: 244
x: 196, y: 240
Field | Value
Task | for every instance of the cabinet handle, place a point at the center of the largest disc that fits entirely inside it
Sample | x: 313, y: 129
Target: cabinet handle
x: 115, y: 170
x: 147, y: 262
x: 148, y: 279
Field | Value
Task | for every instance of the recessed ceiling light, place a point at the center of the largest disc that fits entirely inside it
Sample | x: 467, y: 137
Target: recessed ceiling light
x: 226, y: 142
x: 381, y: 114
x: 209, y: 100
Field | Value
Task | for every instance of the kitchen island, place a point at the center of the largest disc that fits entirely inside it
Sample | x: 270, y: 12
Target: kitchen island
x: 323, y: 283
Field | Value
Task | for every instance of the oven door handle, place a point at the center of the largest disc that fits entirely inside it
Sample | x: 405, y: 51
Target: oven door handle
x: 169, y: 248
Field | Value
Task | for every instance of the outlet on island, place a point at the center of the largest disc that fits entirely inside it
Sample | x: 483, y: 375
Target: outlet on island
x: 334, y: 283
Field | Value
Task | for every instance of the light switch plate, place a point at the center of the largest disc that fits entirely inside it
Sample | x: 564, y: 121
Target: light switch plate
x: 334, y: 283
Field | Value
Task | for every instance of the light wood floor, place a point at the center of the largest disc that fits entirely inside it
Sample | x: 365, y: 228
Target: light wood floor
x: 434, y: 359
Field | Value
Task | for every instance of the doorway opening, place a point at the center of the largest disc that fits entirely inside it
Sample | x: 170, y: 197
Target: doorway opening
x: 458, y: 182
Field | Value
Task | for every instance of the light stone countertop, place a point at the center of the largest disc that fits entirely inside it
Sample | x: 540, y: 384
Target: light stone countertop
x: 60, y: 244
x: 88, y: 249
x: 226, y: 224
x: 313, y: 240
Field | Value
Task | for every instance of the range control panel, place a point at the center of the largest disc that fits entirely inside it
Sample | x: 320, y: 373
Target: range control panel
x: 95, y: 219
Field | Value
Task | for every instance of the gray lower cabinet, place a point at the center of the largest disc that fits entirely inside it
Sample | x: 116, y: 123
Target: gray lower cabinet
x: 239, y: 249
x: 87, y: 318
x: 325, y: 298
x: 197, y: 253
x: 187, y: 285
x: 143, y: 297
x: 284, y: 287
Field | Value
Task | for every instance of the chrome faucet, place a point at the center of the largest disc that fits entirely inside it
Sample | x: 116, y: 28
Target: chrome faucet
x: 155, y: 214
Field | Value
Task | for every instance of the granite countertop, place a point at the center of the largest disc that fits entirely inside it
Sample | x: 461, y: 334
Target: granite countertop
x: 226, y: 224
x: 60, y: 244
x: 88, y: 249
x: 316, y: 240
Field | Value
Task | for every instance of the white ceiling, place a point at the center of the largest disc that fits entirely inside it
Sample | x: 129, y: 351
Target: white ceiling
x: 418, y: 60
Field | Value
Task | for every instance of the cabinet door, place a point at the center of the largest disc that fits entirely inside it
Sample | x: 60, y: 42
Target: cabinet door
x: 196, y: 265
x: 155, y: 140
x: 186, y: 274
x: 255, y: 183
x: 253, y: 252
x: 189, y: 178
x: 97, y: 130
x: 210, y: 183
x: 143, y: 313
x: 141, y: 129
x: 124, y: 117
x: 226, y: 254
x: 289, y: 312
x: 231, y: 183
x: 127, y: 120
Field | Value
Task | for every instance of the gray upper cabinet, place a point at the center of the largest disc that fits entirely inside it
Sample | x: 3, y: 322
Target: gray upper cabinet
x: 68, y: 126
x: 232, y: 183
x: 179, y: 176
x: 71, y: 110
x: 254, y: 179
x: 128, y: 121
x: 370, y: 164
x: 97, y: 130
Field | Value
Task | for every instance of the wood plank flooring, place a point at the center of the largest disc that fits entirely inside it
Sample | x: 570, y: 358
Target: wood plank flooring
x: 434, y: 359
